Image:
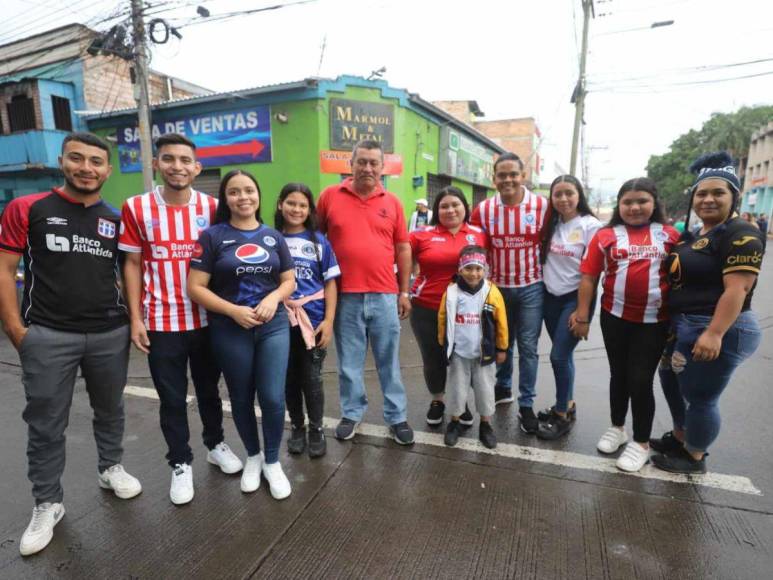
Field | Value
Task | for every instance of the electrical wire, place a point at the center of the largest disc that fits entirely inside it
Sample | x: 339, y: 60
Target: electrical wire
x: 24, y: 31
x: 229, y: 15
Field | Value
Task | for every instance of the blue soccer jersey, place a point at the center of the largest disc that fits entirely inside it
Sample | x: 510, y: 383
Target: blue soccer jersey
x: 244, y: 265
x: 315, y: 264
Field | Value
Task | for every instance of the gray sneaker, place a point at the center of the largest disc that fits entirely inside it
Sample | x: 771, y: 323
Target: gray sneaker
x: 402, y: 433
x: 346, y: 429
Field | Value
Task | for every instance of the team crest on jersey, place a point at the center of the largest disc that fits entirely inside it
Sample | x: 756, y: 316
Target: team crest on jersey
x: 308, y: 250
x: 700, y: 244
x: 269, y: 241
x: 105, y: 228
x: 575, y: 236
x: 661, y: 236
x: 529, y: 219
x: 202, y: 222
x: 470, y: 239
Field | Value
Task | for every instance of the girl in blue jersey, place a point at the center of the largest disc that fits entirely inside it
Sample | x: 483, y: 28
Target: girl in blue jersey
x: 241, y: 272
x: 312, y: 310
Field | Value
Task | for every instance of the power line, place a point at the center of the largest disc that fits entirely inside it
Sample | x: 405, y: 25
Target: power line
x: 654, y: 87
x: 229, y: 15
x: 694, y: 69
x: 24, y: 31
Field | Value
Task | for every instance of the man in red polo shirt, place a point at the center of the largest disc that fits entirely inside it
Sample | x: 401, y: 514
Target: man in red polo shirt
x: 366, y: 227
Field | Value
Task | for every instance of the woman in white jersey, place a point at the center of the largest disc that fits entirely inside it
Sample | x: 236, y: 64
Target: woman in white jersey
x: 570, y: 225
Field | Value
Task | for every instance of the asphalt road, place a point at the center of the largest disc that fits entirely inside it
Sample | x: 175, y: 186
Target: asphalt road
x: 373, y: 509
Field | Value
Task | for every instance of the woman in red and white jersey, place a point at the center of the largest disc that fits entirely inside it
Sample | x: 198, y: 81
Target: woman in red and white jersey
x: 630, y: 251
x: 435, y: 250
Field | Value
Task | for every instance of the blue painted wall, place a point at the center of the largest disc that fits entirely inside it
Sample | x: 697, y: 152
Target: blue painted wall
x: 47, y: 89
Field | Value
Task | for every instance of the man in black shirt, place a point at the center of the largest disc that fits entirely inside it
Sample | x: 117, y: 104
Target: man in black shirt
x: 72, y: 316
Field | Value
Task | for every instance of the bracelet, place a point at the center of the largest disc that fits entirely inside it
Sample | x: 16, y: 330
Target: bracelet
x: 405, y: 294
x: 582, y: 321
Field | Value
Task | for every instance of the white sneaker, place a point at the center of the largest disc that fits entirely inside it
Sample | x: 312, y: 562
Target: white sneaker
x: 633, y: 458
x: 278, y: 483
x: 123, y: 485
x: 181, y: 490
x: 251, y: 473
x: 41, y: 528
x: 222, y: 456
x: 611, y: 440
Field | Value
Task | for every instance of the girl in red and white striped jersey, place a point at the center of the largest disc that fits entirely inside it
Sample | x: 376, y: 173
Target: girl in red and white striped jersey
x: 631, y: 252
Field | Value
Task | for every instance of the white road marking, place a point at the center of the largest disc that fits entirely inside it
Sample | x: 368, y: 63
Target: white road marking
x: 733, y: 483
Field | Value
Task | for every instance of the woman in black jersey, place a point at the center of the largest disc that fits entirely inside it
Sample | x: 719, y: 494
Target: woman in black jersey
x: 713, y: 272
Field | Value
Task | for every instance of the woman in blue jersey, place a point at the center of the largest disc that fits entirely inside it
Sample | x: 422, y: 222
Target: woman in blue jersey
x: 241, y: 272
x: 312, y: 309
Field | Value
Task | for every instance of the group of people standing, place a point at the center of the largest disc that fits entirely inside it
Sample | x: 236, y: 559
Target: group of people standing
x: 208, y: 286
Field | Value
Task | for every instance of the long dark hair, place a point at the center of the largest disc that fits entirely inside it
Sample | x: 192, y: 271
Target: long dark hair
x: 553, y: 217
x: 454, y: 192
x: 646, y: 185
x: 311, y: 220
x: 223, y: 214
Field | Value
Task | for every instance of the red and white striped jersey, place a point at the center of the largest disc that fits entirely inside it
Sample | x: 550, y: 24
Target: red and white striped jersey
x: 633, y: 261
x: 165, y: 236
x: 514, y: 238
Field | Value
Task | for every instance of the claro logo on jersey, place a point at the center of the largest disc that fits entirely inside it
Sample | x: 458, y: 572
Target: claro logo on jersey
x: 77, y: 244
x: 252, y: 254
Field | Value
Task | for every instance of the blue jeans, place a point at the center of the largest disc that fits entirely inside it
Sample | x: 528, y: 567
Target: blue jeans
x: 524, y: 323
x: 702, y: 383
x: 362, y: 318
x: 255, y: 361
x: 556, y: 311
x: 670, y: 384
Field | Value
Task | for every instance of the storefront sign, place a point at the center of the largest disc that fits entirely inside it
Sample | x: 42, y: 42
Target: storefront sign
x: 341, y: 162
x: 352, y: 121
x: 465, y: 159
x: 224, y: 138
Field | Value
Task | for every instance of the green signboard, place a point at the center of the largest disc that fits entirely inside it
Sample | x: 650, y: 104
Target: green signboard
x: 463, y: 158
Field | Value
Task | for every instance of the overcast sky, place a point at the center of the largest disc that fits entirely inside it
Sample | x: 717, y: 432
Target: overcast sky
x: 516, y: 58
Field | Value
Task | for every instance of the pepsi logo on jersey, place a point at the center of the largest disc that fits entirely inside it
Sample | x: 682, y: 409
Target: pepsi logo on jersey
x: 251, y: 254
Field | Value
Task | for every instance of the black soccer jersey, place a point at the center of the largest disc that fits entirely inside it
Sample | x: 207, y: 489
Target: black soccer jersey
x: 70, y: 261
x: 696, y: 268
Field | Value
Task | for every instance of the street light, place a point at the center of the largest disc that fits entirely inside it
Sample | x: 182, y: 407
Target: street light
x: 578, y: 95
x: 659, y: 24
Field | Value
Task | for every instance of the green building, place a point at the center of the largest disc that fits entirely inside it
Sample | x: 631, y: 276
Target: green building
x: 304, y: 131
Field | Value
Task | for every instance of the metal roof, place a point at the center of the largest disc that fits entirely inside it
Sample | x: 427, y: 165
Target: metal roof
x: 60, y: 44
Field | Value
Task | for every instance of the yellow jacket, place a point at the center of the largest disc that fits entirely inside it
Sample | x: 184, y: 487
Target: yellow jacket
x: 493, y: 321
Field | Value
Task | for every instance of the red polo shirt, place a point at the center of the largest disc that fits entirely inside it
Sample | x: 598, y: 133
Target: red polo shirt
x: 364, y: 233
x: 437, y: 252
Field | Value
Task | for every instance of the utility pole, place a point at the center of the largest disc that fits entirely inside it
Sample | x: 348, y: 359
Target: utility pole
x: 141, y: 93
x: 578, y: 97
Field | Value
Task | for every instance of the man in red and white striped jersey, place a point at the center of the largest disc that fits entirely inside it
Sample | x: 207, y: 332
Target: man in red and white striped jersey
x: 159, y: 230
x: 513, y: 220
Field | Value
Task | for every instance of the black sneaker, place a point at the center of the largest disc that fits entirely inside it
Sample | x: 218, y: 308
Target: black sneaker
x: 502, y: 395
x: 453, y: 429
x: 667, y: 444
x: 402, y: 433
x: 486, y: 435
x: 346, y: 429
x: 296, y: 444
x: 466, y: 418
x: 529, y: 422
x: 554, y: 428
x: 435, y: 412
x: 317, y: 442
x: 680, y: 462
x: 550, y: 412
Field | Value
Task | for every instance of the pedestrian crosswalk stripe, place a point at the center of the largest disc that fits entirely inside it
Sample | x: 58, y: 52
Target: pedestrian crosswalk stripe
x: 733, y: 483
